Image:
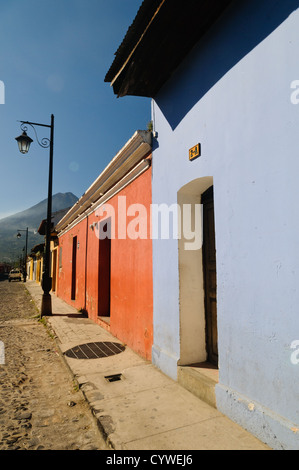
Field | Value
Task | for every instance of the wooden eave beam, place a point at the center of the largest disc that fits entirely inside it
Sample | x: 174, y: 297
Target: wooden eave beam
x: 171, y: 34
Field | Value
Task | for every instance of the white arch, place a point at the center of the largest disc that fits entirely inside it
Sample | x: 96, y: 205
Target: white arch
x: 191, y: 284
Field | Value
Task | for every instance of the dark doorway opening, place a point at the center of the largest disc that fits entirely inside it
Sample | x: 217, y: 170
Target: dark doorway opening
x: 209, y: 269
x: 74, y: 268
x: 104, y: 269
x: 54, y: 270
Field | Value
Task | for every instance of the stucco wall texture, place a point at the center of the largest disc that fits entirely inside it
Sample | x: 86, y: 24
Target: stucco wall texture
x: 131, y: 304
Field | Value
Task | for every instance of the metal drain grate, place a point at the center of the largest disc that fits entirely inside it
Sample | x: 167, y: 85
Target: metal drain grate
x: 95, y: 350
x: 113, y: 378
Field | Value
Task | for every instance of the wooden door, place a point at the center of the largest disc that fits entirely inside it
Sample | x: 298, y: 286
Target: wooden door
x: 104, y: 271
x: 209, y: 265
x: 54, y: 254
x: 74, y: 268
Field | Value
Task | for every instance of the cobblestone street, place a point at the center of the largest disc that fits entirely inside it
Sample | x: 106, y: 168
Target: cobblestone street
x: 40, y: 407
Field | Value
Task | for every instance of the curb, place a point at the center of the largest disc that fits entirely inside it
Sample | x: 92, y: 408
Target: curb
x: 85, y: 389
x: 90, y: 395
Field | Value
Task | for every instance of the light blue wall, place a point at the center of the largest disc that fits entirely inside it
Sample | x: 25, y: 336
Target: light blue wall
x: 232, y: 94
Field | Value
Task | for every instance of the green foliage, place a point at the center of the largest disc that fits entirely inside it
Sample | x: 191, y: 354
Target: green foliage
x: 150, y: 126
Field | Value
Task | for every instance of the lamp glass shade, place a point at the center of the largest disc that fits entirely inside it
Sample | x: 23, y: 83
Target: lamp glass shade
x: 24, y: 142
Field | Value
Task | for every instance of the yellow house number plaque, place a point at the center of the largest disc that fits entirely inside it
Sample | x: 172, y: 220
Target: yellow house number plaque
x: 194, y: 152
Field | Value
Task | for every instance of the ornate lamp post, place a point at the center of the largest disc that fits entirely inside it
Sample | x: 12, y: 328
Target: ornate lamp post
x: 24, y: 143
x: 19, y: 236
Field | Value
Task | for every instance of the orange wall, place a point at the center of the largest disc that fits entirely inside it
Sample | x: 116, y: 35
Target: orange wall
x: 131, y: 301
x: 131, y: 278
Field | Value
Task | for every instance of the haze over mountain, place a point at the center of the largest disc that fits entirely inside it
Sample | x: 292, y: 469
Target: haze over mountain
x: 11, y: 248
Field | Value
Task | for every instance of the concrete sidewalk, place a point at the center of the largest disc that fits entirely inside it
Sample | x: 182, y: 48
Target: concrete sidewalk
x: 139, y: 408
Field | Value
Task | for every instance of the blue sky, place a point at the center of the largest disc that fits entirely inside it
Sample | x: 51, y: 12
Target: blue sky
x: 54, y: 56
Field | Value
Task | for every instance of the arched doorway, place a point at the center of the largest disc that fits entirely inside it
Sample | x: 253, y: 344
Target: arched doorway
x: 198, y: 296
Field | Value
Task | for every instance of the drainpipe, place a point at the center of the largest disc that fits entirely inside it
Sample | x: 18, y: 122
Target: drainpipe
x: 86, y: 250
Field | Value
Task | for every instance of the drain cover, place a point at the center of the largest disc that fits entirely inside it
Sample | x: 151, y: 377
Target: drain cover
x: 95, y: 350
x: 113, y: 378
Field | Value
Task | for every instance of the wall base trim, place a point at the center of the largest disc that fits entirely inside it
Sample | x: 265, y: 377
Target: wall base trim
x: 165, y: 361
x: 269, y: 427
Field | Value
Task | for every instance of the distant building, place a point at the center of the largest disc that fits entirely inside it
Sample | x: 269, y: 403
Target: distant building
x: 34, y: 264
x: 5, y: 268
x: 56, y: 216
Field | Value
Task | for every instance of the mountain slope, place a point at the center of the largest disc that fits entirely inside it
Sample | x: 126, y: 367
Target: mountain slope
x: 11, y: 247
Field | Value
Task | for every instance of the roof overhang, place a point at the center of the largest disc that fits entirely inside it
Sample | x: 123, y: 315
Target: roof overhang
x: 42, y: 229
x: 37, y: 248
x: 124, y: 162
x: 161, y: 35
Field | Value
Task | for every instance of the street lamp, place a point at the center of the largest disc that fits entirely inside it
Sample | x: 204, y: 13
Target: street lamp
x: 26, y: 246
x: 24, y: 143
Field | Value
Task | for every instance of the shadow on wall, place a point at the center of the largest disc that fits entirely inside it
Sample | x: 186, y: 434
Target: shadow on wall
x: 238, y: 31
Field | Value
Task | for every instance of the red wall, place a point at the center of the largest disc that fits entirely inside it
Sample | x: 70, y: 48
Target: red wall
x: 131, y: 287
